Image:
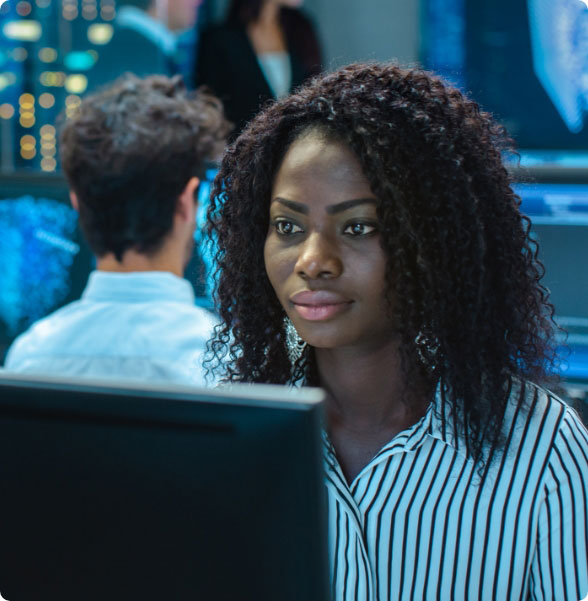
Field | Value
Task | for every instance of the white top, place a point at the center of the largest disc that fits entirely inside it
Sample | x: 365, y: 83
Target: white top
x: 141, y: 325
x: 277, y: 71
x: 419, y: 523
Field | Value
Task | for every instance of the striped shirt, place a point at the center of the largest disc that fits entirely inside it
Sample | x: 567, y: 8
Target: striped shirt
x: 420, y: 523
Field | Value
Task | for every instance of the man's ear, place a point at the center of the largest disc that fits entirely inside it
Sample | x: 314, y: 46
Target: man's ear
x: 74, y: 200
x: 187, y: 204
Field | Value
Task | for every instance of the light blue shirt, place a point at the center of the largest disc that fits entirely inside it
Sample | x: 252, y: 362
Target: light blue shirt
x: 141, y: 325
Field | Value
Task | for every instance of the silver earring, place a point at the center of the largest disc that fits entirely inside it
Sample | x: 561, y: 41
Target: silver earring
x: 427, y: 347
x: 294, y: 344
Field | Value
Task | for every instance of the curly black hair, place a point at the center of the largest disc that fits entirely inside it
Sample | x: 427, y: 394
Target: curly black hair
x: 461, y: 265
x: 128, y: 153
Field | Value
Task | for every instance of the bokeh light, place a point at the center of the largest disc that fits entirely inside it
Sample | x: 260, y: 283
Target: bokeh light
x: 6, y: 80
x: 46, y: 100
x: 47, y: 130
x: 19, y: 54
x: 79, y: 61
x: 76, y: 83
x: 47, y: 55
x: 6, y: 111
x: 28, y: 143
x: 24, y: 30
x: 52, y: 78
x: 23, y: 8
x: 100, y: 33
x: 48, y: 164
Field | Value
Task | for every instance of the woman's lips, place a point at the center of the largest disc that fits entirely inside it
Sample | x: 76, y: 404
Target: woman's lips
x: 320, y: 305
x: 319, y: 312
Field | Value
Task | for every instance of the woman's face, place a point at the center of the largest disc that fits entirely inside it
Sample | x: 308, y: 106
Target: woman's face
x: 322, y: 251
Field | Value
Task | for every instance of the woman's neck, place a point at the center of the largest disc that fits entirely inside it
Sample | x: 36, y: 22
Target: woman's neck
x: 269, y: 14
x: 364, y: 385
x: 369, y: 401
x: 266, y: 33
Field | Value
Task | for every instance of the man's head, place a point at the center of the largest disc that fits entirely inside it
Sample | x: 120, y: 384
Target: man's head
x: 131, y: 154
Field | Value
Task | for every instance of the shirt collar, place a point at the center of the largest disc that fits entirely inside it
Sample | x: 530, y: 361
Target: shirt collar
x: 413, y: 437
x: 135, y: 18
x: 138, y: 286
x: 442, y: 425
x: 437, y: 423
x: 405, y: 441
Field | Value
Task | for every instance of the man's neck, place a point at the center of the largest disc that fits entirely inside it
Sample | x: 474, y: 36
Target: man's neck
x: 135, y: 261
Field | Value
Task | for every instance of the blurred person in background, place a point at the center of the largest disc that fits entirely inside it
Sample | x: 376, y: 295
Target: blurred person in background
x: 145, y: 40
x: 263, y: 50
x: 133, y: 156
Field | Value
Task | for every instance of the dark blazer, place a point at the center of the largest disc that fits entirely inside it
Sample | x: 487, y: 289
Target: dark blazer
x: 226, y: 62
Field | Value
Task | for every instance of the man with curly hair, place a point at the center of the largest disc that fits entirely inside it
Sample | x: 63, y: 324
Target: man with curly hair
x: 133, y: 155
x: 370, y: 243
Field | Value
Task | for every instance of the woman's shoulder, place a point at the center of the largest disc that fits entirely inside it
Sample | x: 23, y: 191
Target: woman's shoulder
x: 541, y: 398
x: 540, y: 421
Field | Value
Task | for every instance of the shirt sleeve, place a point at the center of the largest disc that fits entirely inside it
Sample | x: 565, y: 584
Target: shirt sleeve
x: 559, y: 571
x: 15, y: 355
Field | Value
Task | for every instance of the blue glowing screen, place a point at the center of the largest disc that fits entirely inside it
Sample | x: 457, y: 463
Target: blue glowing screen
x: 526, y: 62
x: 559, y: 42
x: 37, y: 249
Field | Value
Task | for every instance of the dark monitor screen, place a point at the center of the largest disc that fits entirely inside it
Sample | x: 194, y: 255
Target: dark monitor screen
x: 183, y: 494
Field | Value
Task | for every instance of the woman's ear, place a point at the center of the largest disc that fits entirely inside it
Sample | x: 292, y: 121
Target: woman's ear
x: 74, y: 200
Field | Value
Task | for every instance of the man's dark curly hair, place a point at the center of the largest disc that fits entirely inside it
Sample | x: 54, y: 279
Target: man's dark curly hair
x: 129, y: 152
x: 461, y: 268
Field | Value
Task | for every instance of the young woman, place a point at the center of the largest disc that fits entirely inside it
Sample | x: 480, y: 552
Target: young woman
x: 370, y: 243
x: 263, y: 50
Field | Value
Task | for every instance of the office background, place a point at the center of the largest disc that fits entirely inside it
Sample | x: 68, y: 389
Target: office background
x: 353, y: 30
x: 524, y: 60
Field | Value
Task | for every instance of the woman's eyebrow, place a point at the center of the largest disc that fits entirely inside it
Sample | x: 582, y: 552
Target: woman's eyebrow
x: 349, y: 204
x: 300, y: 207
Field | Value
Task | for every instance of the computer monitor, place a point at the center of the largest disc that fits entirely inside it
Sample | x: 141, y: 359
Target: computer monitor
x: 126, y: 493
x: 523, y: 61
x: 559, y: 216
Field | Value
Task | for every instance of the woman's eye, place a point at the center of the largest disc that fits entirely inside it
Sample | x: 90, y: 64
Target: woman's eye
x: 359, y: 229
x: 285, y: 228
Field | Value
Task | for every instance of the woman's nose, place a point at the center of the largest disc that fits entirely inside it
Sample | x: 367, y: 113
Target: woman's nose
x: 319, y: 258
